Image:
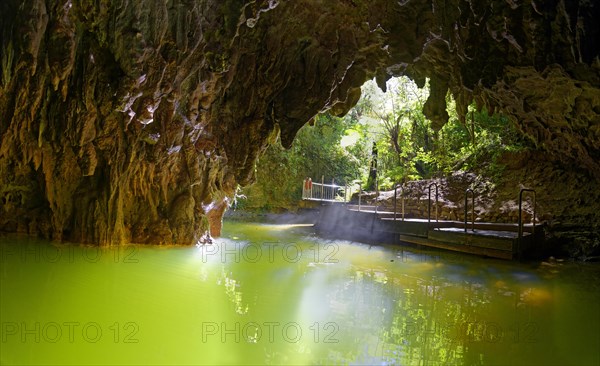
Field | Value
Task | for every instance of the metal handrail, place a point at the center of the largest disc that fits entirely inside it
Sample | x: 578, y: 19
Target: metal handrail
x: 323, y: 192
x: 376, y: 194
x: 436, y: 203
x: 521, y: 211
x: 402, y: 202
x: 473, y: 208
x: 396, y: 199
x: 520, y: 238
x: 359, y: 195
x: 346, y: 191
x: 327, y: 185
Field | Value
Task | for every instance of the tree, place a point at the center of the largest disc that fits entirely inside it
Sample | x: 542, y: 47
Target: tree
x: 385, y: 132
x: 316, y: 152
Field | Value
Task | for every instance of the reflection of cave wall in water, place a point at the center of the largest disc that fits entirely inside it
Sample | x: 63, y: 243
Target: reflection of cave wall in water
x: 135, y: 121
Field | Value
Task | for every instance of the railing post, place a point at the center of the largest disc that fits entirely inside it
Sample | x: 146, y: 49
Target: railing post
x: 437, y: 206
x: 521, y: 217
x: 359, y: 194
x: 395, y: 199
x: 304, y: 189
x: 376, y: 193
x: 472, y: 207
x: 436, y: 203
x: 402, y: 196
x: 346, y: 193
x: 521, y: 210
x: 332, y: 189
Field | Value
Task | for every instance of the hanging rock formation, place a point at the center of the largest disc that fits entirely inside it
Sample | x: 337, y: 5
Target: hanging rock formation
x: 134, y: 121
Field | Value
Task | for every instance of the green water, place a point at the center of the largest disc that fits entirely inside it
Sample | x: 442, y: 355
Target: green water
x: 277, y: 294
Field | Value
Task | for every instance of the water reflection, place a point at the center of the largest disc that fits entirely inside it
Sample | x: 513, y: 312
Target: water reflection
x: 406, y: 307
x: 267, y: 294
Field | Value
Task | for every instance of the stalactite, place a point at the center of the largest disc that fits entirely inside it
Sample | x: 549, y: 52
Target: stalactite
x: 111, y: 109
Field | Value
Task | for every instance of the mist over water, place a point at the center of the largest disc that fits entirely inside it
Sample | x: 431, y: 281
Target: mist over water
x: 278, y: 294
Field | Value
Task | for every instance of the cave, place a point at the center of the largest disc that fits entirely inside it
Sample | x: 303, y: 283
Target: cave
x: 134, y: 122
x: 128, y: 126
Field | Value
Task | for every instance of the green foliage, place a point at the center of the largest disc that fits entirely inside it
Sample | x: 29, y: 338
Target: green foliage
x: 407, y: 147
x: 410, y: 149
x: 476, y: 145
x: 316, y: 152
x: 395, y: 122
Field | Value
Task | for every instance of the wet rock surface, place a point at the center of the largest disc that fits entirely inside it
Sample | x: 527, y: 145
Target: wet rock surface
x: 134, y: 121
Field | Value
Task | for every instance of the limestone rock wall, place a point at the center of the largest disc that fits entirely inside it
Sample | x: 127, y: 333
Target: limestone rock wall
x: 136, y: 120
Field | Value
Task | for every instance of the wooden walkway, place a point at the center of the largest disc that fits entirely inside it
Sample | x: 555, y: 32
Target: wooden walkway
x: 486, y: 239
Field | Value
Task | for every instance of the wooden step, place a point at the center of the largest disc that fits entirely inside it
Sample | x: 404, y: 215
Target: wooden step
x: 488, y: 252
x: 497, y: 226
x: 470, y: 239
x: 489, y: 239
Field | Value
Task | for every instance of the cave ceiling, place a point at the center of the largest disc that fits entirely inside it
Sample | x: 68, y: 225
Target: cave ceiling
x: 136, y: 120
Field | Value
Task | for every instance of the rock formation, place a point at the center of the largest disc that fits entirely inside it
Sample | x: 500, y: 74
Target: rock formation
x: 134, y: 121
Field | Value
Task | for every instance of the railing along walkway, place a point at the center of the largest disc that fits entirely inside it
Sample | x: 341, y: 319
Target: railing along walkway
x: 501, y: 240
x: 324, y: 192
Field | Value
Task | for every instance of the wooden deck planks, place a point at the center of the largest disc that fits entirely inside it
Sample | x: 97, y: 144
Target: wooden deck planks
x: 489, y: 239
